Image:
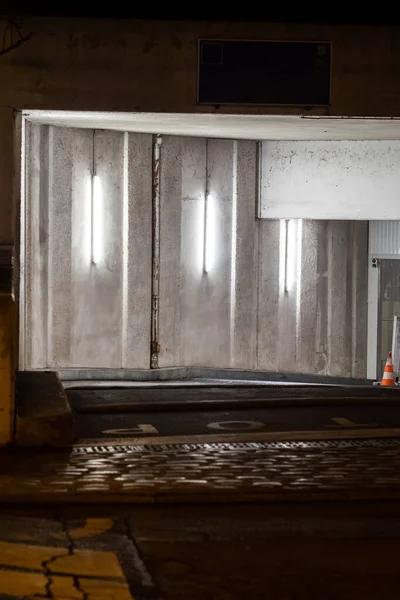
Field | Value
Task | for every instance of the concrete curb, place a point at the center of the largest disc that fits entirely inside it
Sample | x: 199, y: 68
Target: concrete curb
x: 187, y: 373
x: 209, y: 405
x: 43, y: 413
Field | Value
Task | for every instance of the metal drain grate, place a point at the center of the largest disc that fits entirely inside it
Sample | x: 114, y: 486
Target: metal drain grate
x: 364, y: 443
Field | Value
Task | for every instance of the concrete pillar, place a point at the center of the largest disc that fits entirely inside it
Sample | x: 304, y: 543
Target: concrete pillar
x: 137, y: 272
x: 217, y: 282
x: 170, y: 253
x: 34, y: 323
x: 83, y: 342
x: 100, y: 338
x: 359, y: 298
x: 268, y: 295
x: 321, y: 345
x: 306, y: 322
x: 193, y: 293
x: 55, y: 244
x: 244, y: 285
x: 198, y: 322
x: 339, y: 303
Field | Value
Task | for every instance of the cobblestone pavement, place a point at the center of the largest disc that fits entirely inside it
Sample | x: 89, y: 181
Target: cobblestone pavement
x: 205, y: 472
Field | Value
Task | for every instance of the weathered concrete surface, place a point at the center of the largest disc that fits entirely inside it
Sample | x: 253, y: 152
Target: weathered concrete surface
x: 197, y: 376
x: 236, y: 315
x: 75, y: 312
x: 330, y: 179
x: 66, y: 62
x: 43, y: 414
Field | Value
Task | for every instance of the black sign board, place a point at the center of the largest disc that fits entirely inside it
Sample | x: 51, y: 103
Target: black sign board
x: 264, y: 72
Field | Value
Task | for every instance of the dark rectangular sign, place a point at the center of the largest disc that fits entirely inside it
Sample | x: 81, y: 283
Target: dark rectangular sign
x: 251, y: 72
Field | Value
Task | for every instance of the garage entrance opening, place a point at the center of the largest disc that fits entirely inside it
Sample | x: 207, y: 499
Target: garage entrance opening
x: 235, y: 247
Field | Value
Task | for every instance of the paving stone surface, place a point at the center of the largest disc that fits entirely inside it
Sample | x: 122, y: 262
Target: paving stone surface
x: 204, y: 472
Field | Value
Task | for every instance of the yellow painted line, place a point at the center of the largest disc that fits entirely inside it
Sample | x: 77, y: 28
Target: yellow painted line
x: 88, y: 563
x: 144, y: 428
x: 22, y: 584
x: 91, y: 528
x: 265, y: 436
x: 105, y: 590
x: 64, y: 587
x: 31, y: 585
x: 26, y: 556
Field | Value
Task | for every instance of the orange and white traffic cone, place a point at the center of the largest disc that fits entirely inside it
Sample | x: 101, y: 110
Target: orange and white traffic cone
x: 388, y: 374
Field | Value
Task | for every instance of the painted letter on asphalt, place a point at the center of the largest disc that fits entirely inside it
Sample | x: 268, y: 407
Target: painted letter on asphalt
x: 236, y: 425
x: 146, y: 428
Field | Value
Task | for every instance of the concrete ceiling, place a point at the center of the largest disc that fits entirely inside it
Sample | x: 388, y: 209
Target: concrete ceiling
x: 251, y: 127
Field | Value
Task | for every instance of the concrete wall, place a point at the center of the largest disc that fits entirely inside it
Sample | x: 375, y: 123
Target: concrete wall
x: 320, y: 325
x: 238, y: 313
x: 331, y: 180
x: 79, y: 313
x: 152, y: 66
x: 208, y: 318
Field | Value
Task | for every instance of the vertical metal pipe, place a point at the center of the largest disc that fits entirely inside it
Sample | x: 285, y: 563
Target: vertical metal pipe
x: 155, y: 282
x: 233, y: 252
x: 286, y: 255
x: 206, y: 192
x: 125, y: 251
x: 92, y: 248
x: 25, y: 354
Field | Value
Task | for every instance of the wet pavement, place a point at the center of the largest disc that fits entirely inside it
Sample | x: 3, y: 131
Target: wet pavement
x: 224, y: 501
x: 181, y: 422
x: 221, y: 472
x: 191, y: 412
x: 296, y: 551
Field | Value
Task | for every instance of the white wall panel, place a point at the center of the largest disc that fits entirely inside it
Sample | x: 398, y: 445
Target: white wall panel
x: 193, y: 295
x: 384, y: 237
x: 98, y: 295
x: 344, y: 180
x: 171, y: 182
x: 35, y: 320
x: 63, y: 180
x: 79, y: 313
x: 195, y: 304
